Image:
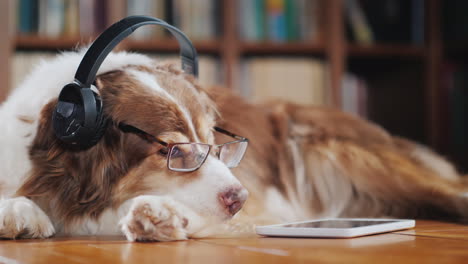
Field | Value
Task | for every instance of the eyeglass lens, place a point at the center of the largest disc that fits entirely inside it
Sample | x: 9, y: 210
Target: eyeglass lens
x: 187, y: 156
x: 231, y: 153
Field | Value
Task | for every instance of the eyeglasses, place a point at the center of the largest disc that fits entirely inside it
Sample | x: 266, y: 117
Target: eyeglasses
x: 188, y: 157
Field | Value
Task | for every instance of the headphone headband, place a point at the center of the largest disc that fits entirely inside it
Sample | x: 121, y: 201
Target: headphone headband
x: 103, y: 45
x: 78, y: 116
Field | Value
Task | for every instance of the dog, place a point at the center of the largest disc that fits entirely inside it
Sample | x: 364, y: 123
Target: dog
x: 302, y: 162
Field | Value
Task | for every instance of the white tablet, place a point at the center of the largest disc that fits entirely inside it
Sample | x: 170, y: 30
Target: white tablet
x: 336, y: 227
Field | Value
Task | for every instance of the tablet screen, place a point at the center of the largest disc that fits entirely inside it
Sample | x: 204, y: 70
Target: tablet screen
x: 338, y: 224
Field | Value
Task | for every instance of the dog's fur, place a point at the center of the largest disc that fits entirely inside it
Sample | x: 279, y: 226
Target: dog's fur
x: 302, y: 162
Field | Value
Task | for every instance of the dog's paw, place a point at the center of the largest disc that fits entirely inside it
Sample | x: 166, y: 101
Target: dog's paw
x: 22, y: 218
x: 153, y: 218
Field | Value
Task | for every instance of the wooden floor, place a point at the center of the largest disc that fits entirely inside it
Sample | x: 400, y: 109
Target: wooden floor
x: 429, y: 242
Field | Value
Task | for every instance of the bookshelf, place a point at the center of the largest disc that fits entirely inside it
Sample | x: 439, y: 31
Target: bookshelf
x: 383, y: 50
x: 332, y: 46
x: 6, y: 47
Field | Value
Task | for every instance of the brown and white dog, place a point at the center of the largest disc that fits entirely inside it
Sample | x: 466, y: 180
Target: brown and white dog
x: 302, y: 162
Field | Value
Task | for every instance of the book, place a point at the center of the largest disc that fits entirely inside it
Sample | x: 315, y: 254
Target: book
x: 197, y: 19
x: 354, y: 95
x: 308, y: 19
x: 72, y: 18
x: 279, y: 20
x: 260, y: 24
x: 210, y: 71
x: 87, y: 13
x: 454, y: 20
x: 293, y: 79
x: 51, y: 17
x: 247, y: 16
x: 27, y: 16
x: 417, y: 22
x: 56, y: 18
x: 292, y: 26
x: 357, y: 19
x: 153, y: 8
x: 458, y: 99
x: 276, y: 20
x: 24, y: 62
x: 385, y: 21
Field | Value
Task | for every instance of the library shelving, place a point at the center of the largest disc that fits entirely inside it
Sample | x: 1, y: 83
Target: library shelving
x: 333, y: 47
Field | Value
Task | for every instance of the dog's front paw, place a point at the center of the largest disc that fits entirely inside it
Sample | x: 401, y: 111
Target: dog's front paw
x: 22, y: 218
x: 153, y: 218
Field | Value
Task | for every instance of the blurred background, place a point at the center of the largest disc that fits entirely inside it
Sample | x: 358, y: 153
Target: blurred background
x: 399, y: 63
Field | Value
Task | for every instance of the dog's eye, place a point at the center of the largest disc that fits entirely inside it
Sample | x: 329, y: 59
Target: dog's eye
x: 163, y: 151
x: 176, y: 152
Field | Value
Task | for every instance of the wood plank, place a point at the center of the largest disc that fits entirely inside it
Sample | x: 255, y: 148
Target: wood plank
x: 299, y: 48
x: 117, y: 250
x: 385, y: 248
x: 438, y: 230
x: 433, y: 71
x: 386, y: 50
x: 35, y: 42
x: 171, y: 45
x: 336, y: 49
x: 230, y: 44
x: 6, y: 50
x: 391, y: 248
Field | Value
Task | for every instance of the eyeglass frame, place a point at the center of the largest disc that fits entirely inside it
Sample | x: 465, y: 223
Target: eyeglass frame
x: 126, y: 128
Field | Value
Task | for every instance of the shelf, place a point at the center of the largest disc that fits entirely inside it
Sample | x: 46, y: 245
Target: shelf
x: 171, y: 45
x: 386, y: 50
x: 34, y: 42
x: 253, y: 48
x: 457, y: 50
x: 214, y: 46
x: 45, y: 43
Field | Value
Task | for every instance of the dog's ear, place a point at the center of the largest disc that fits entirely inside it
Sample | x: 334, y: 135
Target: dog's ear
x: 78, y: 182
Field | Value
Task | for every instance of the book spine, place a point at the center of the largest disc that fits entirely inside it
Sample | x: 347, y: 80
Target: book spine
x: 72, y: 20
x: 217, y: 17
x: 210, y: 20
x: 362, y: 99
x: 142, y: 7
x: 417, y: 31
x: 459, y: 111
x: 447, y: 83
x: 292, y: 27
x: 55, y: 19
x: 87, y: 23
x: 312, y: 16
x: 260, y: 25
x: 100, y: 15
x: 27, y: 16
x: 275, y: 11
x: 296, y: 80
x: 246, y: 15
x: 359, y: 24
x: 159, y: 11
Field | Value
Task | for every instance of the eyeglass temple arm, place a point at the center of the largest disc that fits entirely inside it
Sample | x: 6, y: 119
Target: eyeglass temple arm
x: 131, y: 129
x: 220, y: 130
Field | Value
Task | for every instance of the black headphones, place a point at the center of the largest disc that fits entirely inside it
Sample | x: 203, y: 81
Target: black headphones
x: 78, y: 117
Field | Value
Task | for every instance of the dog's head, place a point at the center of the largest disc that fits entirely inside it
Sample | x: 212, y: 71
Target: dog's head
x: 159, y: 100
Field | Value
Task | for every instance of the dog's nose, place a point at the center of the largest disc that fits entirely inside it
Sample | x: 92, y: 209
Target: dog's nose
x: 233, y: 199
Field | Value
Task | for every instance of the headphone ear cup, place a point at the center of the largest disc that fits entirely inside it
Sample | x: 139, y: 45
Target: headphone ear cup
x: 78, y: 117
x: 68, y: 116
x: 101, y: 122
x: 100, y: 131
